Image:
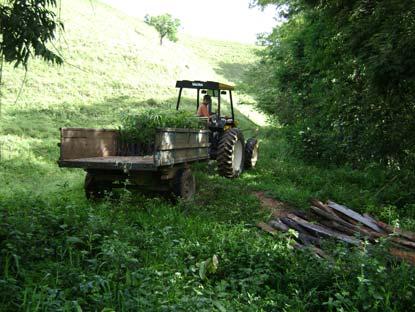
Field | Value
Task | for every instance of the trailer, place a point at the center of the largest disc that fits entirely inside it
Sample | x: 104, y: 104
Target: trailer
x: 111, y: 163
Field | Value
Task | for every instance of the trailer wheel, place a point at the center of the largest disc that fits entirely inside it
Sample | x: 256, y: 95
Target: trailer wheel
x: 231, y: 153
x: 184, y: 184
x: 95, y: 189
x: 251, y: 153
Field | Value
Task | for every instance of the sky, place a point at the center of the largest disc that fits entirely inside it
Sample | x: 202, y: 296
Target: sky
x: 216, y: 19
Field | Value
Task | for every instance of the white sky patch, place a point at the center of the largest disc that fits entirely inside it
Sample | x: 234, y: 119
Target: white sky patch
x: 216, y: 19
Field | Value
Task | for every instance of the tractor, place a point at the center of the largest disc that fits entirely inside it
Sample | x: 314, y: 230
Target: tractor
x: 227, y: 143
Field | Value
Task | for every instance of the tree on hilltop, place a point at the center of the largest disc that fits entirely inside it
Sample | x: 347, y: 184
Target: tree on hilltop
x: 166, y: 25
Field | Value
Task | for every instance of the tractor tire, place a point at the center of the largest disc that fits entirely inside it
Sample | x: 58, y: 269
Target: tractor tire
x: 251, y: 153
x: 231, y: 154
x: 184, y: 184
x: 95, y: 189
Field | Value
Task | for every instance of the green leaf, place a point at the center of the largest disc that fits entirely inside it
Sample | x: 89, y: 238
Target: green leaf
x: 74, y: 240
x: 219, y: 306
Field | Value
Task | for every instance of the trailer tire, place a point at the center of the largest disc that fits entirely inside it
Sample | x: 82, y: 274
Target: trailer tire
x: 184, y: 184
x: 231, y: 153
x: 251, y: 153
x: 94, y: 188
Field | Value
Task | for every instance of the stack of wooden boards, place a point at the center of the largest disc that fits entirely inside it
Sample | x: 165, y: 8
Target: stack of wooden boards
x: 341, y: 223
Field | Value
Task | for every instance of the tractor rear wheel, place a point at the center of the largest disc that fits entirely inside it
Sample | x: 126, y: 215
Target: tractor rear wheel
x: 251, y: 153
x: 184, y: 184
x: 231, y: 153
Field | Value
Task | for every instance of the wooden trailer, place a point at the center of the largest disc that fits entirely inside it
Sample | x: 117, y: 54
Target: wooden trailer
x: 110, y: 163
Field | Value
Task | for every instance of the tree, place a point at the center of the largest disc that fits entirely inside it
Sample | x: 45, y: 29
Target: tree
x: 165, y: 24
x: 26, y: 27
x: 340, y: 77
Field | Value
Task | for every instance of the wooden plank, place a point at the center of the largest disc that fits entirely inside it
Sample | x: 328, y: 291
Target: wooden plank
x: 183, y: 130
x: 294, y: 225
x: 355, y: 216
x: 318, y: 229
x: 344, y: 226
x: 265, y: 227
x: 319, y: 204
x: 118, y: 159
x: 308, y: 239
x: 366, y: 215
x: 403, y: 242
x: 330, y: 216
x: 84, y: 142
x: 125, y: 163
x: 169, y: 158
x: 303, y: 235
x: 390, y: 229
x: 66, y: 129
x: 170, y: 140
x: 339, y: 228
x: 319, y: 253
x: 408, y: 256
x: 278, y: 225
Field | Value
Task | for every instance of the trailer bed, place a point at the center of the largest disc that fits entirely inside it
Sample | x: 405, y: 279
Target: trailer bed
x: 98, y: 149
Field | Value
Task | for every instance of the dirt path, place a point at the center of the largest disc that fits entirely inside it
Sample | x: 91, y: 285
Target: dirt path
x: 276, y: 207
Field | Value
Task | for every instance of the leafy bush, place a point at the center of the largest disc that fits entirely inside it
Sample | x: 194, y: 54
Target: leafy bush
x: 340, y: 76
x: 141, y: 128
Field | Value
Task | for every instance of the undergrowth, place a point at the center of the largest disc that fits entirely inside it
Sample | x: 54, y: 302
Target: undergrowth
x: 147, y: 255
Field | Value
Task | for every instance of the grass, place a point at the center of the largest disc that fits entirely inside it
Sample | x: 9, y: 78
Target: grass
x: 59, y: 252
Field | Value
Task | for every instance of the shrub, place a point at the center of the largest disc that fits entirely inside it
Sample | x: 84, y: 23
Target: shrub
x: 141, y: 128
x: 340, y: 76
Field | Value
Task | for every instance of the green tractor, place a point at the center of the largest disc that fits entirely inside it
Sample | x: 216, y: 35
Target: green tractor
x: 227, y: 143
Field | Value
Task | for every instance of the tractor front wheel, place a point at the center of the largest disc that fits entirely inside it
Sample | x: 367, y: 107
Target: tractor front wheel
x: 231, y: 153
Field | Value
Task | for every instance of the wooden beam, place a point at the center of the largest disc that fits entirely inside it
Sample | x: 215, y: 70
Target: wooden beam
x: 278, y: 225
x: 265, y: 227
x: 355, y: 216
x: 324, y: 231
x: 391, y: 229
x: 408, y: 256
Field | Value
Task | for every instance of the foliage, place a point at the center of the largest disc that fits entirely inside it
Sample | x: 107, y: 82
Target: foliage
x: 142, y: 127
x: 340, y: 77
x: 149, y: 255
x: 26, y: 27
x: 165, y: 24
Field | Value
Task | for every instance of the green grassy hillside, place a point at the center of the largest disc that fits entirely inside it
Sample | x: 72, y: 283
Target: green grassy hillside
x: 60, y: 252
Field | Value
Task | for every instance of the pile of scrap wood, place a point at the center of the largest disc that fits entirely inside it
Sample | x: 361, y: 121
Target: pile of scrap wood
x: 340, y: 223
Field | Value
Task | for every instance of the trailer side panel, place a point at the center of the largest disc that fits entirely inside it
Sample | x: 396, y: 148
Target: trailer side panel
x: 83, y: 143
